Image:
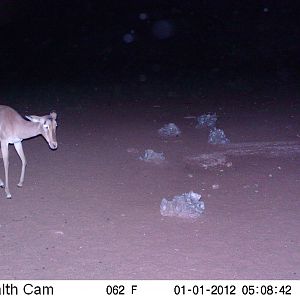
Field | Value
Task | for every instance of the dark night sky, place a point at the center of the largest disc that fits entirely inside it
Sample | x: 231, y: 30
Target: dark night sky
x: 68, y: 39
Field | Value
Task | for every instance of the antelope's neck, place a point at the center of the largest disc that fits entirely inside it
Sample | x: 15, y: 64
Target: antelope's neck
x: 29, y: 129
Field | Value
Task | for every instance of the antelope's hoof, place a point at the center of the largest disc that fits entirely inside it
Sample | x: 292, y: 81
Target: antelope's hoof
x: 20, y: 184
x: 8, y: 196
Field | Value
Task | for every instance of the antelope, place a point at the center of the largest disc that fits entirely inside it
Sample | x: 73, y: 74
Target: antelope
x: 14, y: 129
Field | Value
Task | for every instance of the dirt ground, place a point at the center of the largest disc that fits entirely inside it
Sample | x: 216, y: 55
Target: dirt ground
x: 91, y: 209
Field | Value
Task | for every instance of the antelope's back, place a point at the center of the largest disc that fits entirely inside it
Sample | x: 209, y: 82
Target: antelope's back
x: 8, y: 117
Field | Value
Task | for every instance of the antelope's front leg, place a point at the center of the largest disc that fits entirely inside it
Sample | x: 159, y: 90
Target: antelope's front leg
x: 19, y: 149
x: 4, y: 150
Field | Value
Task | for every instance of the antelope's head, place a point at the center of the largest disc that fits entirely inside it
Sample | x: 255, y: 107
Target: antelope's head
x: 48, y: 127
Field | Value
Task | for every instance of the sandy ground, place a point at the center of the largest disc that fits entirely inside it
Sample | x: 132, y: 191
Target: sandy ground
x: 90, y: 210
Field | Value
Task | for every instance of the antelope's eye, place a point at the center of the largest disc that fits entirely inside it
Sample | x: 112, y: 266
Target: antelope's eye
x: 46, y: 126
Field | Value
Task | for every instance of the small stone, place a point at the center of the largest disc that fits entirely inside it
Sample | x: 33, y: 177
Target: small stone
x: 215, y: 186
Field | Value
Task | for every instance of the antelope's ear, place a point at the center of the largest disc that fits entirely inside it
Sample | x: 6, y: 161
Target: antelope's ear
x: 34, y: 119
x: 53, y: 115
